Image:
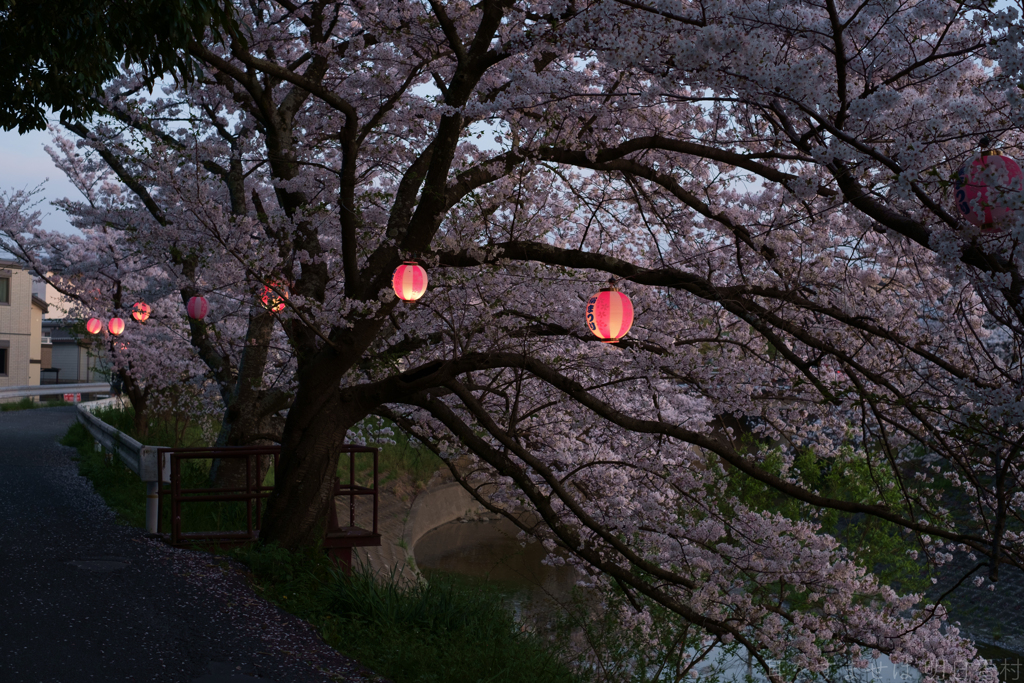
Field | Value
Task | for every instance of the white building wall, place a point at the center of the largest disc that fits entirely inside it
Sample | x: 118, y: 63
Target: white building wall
x: 59, y: 305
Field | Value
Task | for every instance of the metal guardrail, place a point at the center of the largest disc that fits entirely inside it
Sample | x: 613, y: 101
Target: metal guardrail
x: 140, y: 459
x: 54, y: 389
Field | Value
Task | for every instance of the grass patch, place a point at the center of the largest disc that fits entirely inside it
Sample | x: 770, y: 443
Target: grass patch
x: 28, y: 403
x: 452, y: 630
x: 118, y: 485
x: 402, y: 458
x: 165, y: 429
x: 126, y: 494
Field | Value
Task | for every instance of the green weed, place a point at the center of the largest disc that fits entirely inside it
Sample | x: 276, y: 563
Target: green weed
x: 126, y: 494
x: 118, y: 485
x: 28, y: 404
x: 450, y: 630
x: 164, y: 429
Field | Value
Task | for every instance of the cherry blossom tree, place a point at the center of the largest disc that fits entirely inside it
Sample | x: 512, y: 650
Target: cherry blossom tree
x: 110, y: 268
x: 97, y: 278
x: 770, y: 182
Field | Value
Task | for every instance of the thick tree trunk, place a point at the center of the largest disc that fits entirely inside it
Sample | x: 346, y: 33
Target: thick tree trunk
x: 139, y: 399
x: 141, y: 421
x: 244, y: 417
x: 240, y: 426
x: 314, y: 432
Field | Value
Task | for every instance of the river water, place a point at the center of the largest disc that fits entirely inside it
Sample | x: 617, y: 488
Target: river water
x: 490, y: 549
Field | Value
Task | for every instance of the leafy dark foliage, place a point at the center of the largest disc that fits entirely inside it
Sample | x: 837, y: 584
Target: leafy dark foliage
x: 57, y: 54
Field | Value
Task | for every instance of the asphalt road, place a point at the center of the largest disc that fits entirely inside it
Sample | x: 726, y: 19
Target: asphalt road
x: 83, y: 598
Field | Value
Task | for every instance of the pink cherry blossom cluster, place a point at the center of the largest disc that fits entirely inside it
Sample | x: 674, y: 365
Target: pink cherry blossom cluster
x: 769, y: 182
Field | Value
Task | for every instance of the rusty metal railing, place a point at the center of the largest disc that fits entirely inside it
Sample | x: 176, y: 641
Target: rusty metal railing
x: 252, y: 493
x: 339, y: 540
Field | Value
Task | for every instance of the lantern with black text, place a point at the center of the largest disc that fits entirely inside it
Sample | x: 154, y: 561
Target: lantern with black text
x: 409, y: 281
x: 197, y: 308
x: 115, y: 326
x: 986, y: 186
x: 609, y: 315
x: 141, y: 311
x: 93, y: 326
x: 272, y: 300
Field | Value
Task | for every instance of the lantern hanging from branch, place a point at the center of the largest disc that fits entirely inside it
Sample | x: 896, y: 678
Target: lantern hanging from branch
x: 272, y: 300
x: 985, y: 186
x: 409, y: 281
x: 115, y: 326
x: 197, y: 308
x: 93, y: 326
x: 141, y: 311
x: 609, y: 315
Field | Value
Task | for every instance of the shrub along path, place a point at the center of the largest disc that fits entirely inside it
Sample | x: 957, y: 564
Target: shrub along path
x: 83, y: 598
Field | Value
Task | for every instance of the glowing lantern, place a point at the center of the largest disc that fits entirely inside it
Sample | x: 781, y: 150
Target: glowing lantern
x: 197, y: 308
x: 93, y: 326
x: 609, y: 315
x: 141, y: 311
x: 409, y: 281
x: 115, y: 326
x: 982, y: 188
x: 271, y: 300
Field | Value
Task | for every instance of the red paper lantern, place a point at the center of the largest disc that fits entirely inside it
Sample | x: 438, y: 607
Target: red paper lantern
x: 609, y: 315
x: 409, y: 281
x: 271, y: 300
x: 984, y: 186
x: 141, y: 311
x: 197, y: 308
x: 93, y: 326
x: 115, y: 326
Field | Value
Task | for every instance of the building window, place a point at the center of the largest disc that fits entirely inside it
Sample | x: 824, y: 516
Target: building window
x: 3, y: 362
x: 5, y: 290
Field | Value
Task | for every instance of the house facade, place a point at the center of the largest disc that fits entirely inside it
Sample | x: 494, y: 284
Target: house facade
x: 21, y: 317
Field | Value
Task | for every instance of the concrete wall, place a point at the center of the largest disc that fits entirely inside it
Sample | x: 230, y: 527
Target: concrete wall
x: 89, y: 366
x: 437, y: 506
x: 430, y: 509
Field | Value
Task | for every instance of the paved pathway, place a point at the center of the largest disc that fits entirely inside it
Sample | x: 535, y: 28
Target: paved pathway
x: 85, y: 599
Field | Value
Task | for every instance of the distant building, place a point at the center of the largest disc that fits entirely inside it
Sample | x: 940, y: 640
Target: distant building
x: 58, y: 304
x: 21, y: 336
x: 65, y: 358
x: 71, y: 360
x: 35, y: 348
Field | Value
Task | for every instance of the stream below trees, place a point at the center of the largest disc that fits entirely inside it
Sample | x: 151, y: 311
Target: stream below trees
x: 489, y: 549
